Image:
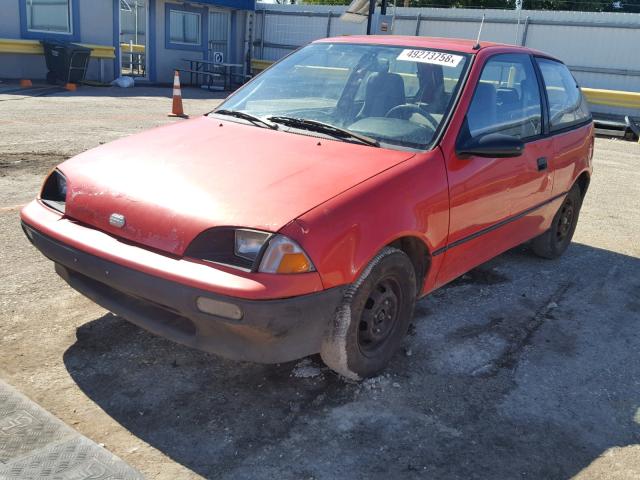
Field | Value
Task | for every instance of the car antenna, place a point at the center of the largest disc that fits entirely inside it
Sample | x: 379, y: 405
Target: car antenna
x: 477, y: 45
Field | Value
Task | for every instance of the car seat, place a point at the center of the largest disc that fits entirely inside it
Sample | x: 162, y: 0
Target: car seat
x: 383, y: 91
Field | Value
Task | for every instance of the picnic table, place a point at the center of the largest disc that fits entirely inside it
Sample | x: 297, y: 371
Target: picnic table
x: 211, y: 70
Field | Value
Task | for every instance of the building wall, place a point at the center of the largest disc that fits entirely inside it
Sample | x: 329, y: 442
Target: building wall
x: 95, y: 25
x: 168, y: 59
x: 9, y: 19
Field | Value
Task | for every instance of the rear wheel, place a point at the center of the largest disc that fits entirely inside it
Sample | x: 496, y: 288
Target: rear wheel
x: 373, y: 317
x: 555, y: 241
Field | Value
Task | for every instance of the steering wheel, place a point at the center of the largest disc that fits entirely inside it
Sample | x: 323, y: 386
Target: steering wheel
x: 406, y: 110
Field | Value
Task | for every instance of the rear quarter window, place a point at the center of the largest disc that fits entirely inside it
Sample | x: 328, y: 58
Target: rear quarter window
x: 567, y: 106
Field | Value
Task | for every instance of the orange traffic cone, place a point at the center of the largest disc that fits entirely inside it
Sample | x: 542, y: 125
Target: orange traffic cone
x: 25, y: 83
x: 177, y: 110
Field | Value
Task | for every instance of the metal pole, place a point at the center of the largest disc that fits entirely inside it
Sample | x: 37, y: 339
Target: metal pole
x: 523, y: 42
x: 519, y: 9
x: 383, y: 7
x: 329, y: 24
x: 418, y: 20
x: 372, y: 11
x: 246, y: 70
x: 262, y: 32
x: 136, y: 20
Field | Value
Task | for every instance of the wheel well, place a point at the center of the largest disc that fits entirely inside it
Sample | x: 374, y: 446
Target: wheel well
x: 419, y: 255
x: 583, y: 183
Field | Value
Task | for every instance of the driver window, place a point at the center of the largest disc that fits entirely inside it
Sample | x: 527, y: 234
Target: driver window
x: 507, y: 99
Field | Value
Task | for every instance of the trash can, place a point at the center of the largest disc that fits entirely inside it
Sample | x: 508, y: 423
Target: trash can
x: 66, y: 62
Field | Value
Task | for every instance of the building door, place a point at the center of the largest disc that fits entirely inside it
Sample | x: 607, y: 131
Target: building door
x: 219, y: 30
x: 134, y: 25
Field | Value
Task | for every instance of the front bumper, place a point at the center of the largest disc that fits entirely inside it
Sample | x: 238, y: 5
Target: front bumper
x: 270, y: 331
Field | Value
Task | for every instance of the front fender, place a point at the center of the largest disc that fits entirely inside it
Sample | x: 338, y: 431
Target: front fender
x: 343, y: 234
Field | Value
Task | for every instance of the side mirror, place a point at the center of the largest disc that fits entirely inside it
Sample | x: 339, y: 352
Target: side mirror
x: 493, y: 145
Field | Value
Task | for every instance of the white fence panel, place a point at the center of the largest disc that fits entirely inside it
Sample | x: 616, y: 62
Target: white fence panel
x: 602, y: 49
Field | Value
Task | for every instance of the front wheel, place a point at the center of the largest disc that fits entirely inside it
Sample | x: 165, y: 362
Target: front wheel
x: 373, y: 317
x: 555, y: 241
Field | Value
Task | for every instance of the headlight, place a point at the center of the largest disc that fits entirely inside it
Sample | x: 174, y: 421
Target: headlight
x: 250, y: 250
x: 54, y: 191
x: 248, y: 243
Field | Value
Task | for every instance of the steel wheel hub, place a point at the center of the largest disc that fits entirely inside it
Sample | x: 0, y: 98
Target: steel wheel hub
x: 379, y: 316
x: 565, y: 221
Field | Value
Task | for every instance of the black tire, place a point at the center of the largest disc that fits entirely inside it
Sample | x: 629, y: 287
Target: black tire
x: 373, y: 317
x: 555, y: 241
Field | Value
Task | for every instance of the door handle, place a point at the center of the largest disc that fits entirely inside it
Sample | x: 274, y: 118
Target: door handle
x: 542, y: 163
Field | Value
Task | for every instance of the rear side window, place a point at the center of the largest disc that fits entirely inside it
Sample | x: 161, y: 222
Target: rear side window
x: 567, y: 105
x: 506, y: 99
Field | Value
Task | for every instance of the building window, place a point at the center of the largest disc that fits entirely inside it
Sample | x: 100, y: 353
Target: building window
x: 49, y: 16
x: 184, y: 27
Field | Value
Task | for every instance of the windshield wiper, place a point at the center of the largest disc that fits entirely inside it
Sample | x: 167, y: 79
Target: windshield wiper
x: 247, y: 116
x: 322, y: 127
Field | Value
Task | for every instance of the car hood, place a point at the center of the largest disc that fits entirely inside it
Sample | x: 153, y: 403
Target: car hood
x: 173, y: 182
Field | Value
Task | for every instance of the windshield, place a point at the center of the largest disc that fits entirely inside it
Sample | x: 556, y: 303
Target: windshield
x: 396, y: 96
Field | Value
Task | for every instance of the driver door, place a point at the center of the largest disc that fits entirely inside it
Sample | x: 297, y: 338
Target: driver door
x: 488, y: 195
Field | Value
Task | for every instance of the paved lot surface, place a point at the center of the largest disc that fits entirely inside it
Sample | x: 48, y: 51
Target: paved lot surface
x: 523, y: 368
x: 34, y: 444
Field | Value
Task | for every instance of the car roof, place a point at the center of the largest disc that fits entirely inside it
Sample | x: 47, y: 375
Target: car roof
x: 453, y: 44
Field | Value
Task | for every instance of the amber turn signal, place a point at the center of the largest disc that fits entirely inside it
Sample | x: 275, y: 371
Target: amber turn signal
x: 283, y: 255
x: 294, y: 263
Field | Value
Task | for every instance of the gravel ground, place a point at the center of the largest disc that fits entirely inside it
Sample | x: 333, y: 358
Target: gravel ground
x: 522, y: 368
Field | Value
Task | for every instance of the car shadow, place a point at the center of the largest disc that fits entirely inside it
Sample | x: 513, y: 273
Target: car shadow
x: 521, y: 368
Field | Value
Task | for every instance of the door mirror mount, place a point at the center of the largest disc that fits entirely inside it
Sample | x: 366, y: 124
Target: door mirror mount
x: 492, y: 145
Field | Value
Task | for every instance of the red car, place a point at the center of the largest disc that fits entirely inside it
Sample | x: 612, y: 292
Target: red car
x: 319, y: 201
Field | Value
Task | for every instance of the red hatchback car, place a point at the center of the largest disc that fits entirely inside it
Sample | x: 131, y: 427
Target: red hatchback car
x: 318, y: 202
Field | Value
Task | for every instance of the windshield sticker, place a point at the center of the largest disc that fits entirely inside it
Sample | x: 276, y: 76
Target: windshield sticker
x: 428, y: 56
